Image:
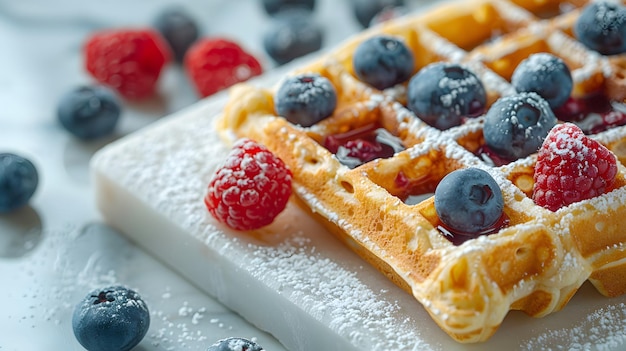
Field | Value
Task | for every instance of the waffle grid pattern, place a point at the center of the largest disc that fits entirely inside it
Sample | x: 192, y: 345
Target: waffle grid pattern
x: 534, y: 264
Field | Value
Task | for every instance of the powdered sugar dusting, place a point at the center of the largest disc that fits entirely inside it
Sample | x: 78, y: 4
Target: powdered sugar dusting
x: 601, y: 330
x: 329, y: 292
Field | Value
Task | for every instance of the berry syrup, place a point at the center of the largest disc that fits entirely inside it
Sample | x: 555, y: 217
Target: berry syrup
x: 491, y: 157
x: 457, y: 238
x: 593, y: 114
x: 362, y: 145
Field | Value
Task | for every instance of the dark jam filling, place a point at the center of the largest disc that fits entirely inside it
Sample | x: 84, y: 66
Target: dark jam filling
x: 593, y: 113
x: 457, y: 238
x: 363, y: 145
x: 412, y: 191
x: 491, y: 157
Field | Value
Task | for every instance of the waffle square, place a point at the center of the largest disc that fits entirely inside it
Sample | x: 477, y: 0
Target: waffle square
x: 384, y: 209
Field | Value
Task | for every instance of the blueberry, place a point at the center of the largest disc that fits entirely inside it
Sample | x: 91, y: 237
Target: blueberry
x: 546, y: 75
x: 515, y: 126
x: 89, y: 112
x: 443, y: 94
x: 601, y: 26
x: 18, y: 181
x: 305, y: 99
x: 383, y: 61
x: 179, y: 30
x: 293, y: 33
x: 235, y: 344
x: 273, y: 7
x: 111, y: 319
x: 469, y: 201
x: 366, y: 10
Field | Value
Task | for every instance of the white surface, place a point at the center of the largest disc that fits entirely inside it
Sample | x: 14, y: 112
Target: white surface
x: 56, y: 250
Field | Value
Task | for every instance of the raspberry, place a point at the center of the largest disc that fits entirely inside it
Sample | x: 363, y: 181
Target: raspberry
x: 128, y: 60
x: 216, y: 64
x: 250, y: 189
x: 571, y: 167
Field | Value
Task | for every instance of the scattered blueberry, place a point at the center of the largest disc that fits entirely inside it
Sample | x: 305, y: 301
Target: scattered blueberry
x: 469, y: 201
x: 111, y: 319
x: 179, y: 29
x: 305, y: 99
x: 89, y: 112
x: 443, y: 94
x: 273, y: 7
x: 293, y: 33
x: 383, y: 61
x: 235, y: 344
x: 366, y: 10
x: 515, y: 126
x: 546, y: 75
x: 18, y: 181
x: 601, y: 26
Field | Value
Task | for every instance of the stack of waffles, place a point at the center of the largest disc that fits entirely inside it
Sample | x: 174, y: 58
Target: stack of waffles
x: 384, y: 209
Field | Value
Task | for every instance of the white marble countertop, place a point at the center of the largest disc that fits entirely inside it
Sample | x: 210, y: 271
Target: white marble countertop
x: 53, y: 252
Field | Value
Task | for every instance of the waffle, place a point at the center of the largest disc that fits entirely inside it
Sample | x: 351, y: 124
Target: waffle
x: 539, y: 260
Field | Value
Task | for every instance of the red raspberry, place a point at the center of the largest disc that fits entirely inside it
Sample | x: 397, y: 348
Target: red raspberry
x: 250, y: 189
x: 571, y: 167
x: 127, y: 60
x: 216, y: 64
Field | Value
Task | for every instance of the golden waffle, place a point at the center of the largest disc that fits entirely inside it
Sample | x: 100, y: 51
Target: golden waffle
x: 535, y: 263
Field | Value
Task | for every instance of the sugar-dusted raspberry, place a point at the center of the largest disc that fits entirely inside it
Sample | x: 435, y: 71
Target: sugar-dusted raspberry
x: 571, y: 167
x: 127, y: 60
x: 214, y: 64
x: 250, y: 189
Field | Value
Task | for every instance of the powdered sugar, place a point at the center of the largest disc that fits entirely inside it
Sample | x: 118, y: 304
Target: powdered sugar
x: 603, y: 329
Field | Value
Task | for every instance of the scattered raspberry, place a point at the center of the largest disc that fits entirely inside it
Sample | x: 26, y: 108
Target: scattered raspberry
x: 127, y: 60
x: 571, y: 167
x: 216, y: 64
x: 251, y: 188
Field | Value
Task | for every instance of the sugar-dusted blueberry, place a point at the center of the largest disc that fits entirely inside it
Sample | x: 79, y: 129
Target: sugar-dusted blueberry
x: 601, y: 26
x: 469, y: 201
x: 293, y: 33
x: 366, y: 10
x: 305, y: 99
x: 89, y: 112
x: 383, y: 61
x: 179, y: 29
x: 516, y: 125
x: 273, y: 7
x: 235, y: 344
x: 546, y: 75
x: 111, y: 319
x: 18, y: 181
x: 444, y: 94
